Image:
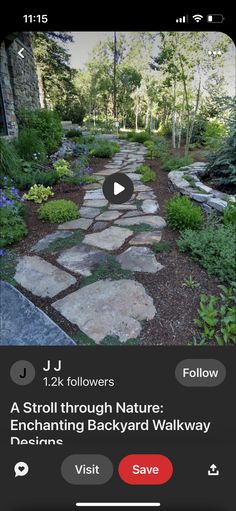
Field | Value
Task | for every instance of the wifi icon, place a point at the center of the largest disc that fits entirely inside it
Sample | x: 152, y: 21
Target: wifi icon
x: 197, y: 17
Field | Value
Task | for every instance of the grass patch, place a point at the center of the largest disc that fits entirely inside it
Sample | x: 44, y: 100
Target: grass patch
x: 110, y: 269
x: 63, y: 243
x: 8, y: 262
x: 176, y: 162
x: 147, y: 173
x: 162, y: 246
x: 82, y: 339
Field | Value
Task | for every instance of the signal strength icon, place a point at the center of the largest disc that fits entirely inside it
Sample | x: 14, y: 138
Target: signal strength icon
x: 197, y: 17
x: 184, y: 19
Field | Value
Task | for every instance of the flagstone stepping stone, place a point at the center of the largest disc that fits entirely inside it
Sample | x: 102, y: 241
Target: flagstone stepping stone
x: 153, y: 221
x: 109, y: 215
x: 92, y: 186
x: 142, y: 188
x: 134, y: 177
x: 93, y: 195
x: 82, y: 259
x: 81, y: 223
x: 149, y: 206
x: 146, y: 238
x: 107, y: 172
x: 111, y: 238
x: 42, y: 278
x: 139, y: 259
x: 100, y: 226
x: 89, y: 212
x: 146, y: 195
x: 123, y: 207
x: 108, y: 307
x: 131, y: 214
x: 98, y: 203
x: 22, y: 323
x: 45, y: 242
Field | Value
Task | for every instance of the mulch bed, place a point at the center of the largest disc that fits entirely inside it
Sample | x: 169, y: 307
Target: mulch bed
x: 176, y: 305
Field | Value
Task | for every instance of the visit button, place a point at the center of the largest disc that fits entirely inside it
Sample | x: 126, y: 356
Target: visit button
x: 145, y: 469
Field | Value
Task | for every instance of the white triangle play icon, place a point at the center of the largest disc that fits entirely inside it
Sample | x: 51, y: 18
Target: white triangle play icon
x: 118, y: 188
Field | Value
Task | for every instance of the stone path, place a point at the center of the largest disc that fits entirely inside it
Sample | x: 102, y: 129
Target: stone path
x: 105, y: 307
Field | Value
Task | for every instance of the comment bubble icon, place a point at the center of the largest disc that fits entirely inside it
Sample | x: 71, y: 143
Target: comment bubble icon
x: 21, y: 469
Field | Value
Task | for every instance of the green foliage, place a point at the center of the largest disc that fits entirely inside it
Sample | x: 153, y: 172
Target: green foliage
x: 73, y: 133
x: 62, y: 168
x: 162, y: 246
x: 47, y: 124
x: 222, y: 166
x: 217, y: 317
x: 214, y: 133
x: 230, y: 214
x: 175, y: 162
x: 104, y: 149
x: 24, y: 181
x: 214, y: 248
x: 58, y: 211
x: 141, y: 137
x: 81, y: 179
x: 30, y: 146
x: 147, y: 173
x: 12, y: 226
x: 111, y: 269
x: 181, y: 213
x: 10, y: 162
x: 38, y: 194
x: 190, y: 283
x: 113, y: 340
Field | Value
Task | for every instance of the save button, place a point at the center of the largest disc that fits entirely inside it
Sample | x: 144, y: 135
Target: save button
x: 145, y: 469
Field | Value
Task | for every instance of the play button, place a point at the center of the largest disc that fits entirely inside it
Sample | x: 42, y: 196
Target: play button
x: 118, y: 188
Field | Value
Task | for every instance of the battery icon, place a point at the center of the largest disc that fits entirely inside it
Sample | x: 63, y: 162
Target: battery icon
x: 215, y: 18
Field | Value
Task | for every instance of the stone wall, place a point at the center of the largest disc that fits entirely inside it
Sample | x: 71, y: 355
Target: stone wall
x: 186, y: 181
x: 19, y: 81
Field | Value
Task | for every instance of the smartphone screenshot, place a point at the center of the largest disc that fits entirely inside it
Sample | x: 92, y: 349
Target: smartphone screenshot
x: 117, y: 261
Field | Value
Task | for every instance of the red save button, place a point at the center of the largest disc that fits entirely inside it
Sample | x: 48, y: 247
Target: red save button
x: 145, y: 469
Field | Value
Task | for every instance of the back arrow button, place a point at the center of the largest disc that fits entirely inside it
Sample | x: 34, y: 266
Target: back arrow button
x: 20, y: 53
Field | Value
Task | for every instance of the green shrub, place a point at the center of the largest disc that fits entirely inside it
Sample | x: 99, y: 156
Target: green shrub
x: 181, y: 213
x: 147, y: 173
x: 58, y: 211
x: 175, y: 162
x: 81, y: 179
x: 73, y: 133
x: 104, y: 149
x: 141, y: 137
x: 214, y: 248
x: 230, y: 214
x: 214, y: 132
x: 30, y: 146
x: 62, y: 168
x: 222, y: 166
x: 217, y: 317
x: 38, y: 194
x: 47, y: 123
x: 12, y: 226
x: 10, y: 162
x: 25, y: 181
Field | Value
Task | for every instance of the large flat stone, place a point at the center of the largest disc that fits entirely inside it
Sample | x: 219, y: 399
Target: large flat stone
x: 108, y: 307
x: 99, y: 226
x: 81, y: 223
x: 146, y: 238
x: 92, y: 186
x: 146, y: 195
x: 42, y: 278
x: 149, y: 206
x: 142, y: 188
x: 123, y: 207
x: 109, y: 215
x: 217, y: 204
x: 131, y: 213
x: 22, y: 323
x: 94, y: 195
x: 154, y: 221
x: 111, y: 238
x: 107, y: 172
x: 82, y: 259
x: 47, y: 240
x: 89, y: 212
x: 139, y: 259
x: 98, y: 203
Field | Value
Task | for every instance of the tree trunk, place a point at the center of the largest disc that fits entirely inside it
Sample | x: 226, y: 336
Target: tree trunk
x: 41, y: 89
x: 136, y: 120
x: 147, y: 118
x: 174, y: 116
x: 181, y: 125
x: 195, y: 112
x: 114, y: 78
